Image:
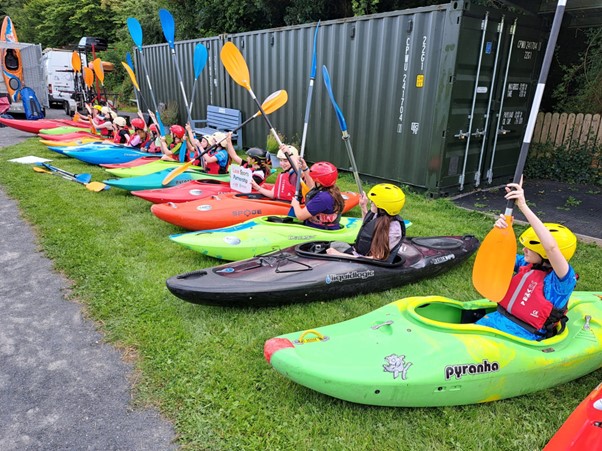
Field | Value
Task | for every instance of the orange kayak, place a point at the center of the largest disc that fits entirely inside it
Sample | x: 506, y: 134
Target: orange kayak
x: 229, y: 209
x: 582, y: 429
x: 12, y: 67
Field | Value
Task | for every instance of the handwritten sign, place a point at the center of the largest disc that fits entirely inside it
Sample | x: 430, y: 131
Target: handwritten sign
x: 240, y: 178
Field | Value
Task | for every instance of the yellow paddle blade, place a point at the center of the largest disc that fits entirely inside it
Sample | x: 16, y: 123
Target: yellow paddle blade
x: 274, y: 101
x: 173, y: 174
x: 96, y: 186
x: 76, y: 62
x: 494, y: 265
x: 88, y: 77
x: 132, y: 75
x: 98, y: 70
x: 236, y: 65
x: 39, y: 169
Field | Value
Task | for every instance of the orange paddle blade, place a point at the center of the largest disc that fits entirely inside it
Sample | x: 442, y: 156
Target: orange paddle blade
x: 132, y: 75
x: 494, y: 265
x: 76, y: 62
x: 88, y: 77
x: 177, y: 171
x: 236, y: 65
x: 99, y: 70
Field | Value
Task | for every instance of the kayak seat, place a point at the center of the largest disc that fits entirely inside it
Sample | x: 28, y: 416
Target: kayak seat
x: 280, y: 219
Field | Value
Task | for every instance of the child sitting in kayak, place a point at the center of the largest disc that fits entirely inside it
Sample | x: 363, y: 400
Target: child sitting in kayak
x: 140, y: 137
x: 172, y: 151
x: 153, y: 145
x: 121, y: 133
x: 286, y: 182
x: 382, y: 231
x: 324, y: 202
x: 208, y: 152
x: 257, y: 160
x: 537, y: 298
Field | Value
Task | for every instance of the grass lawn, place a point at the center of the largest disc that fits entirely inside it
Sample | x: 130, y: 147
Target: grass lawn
x: 203, y: 367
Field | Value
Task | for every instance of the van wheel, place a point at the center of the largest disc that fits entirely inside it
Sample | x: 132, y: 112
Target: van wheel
x: 67, y: 108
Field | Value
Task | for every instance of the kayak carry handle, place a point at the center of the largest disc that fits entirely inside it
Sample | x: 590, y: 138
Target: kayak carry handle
x: 318, y: 337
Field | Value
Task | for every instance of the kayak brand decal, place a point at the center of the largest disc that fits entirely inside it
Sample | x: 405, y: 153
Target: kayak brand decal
x: 247, y: 212
x: 443, y: 259
x: 351, y: 275
x: 464, y: 369
x: 226, y: 270
x: 397, y: 365
x: 301, y: 237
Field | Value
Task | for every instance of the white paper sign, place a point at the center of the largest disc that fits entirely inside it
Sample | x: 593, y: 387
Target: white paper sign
x: 240, y: 178
x: 29, y: 160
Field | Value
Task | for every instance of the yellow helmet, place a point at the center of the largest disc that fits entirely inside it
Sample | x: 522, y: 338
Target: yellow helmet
x: 566, y: 240
x: 97, y: 107
x: 388, y: 197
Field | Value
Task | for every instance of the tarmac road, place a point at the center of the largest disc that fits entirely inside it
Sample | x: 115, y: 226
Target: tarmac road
x: 61, y: 387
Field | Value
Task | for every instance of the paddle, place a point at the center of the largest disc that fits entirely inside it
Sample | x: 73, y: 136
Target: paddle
x: 236, y: 66
x: 269, y: 105
x: 136, y: 33
x: 494, y: 264
x: 100, y: 75
x: 343, y: 126
x: 79, y: 178
x: 169, y: 31
x: 312, y: 77
x: 200, y: 60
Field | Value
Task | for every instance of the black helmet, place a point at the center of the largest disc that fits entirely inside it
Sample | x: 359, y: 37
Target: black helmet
x: 257, y: 153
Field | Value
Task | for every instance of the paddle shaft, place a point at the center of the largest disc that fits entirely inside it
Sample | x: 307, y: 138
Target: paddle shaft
x: 541, y: 84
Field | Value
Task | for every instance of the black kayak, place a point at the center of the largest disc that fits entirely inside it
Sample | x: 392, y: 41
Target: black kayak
x: 305, y: 273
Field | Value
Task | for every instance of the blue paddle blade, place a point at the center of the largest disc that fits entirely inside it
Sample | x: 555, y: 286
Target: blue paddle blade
x: 129, y: 61
x: 168, y: 25
x: 160, y: 124
x: 337, y: 110
x: 83, y: 178
x: 314, y: 58
x: 135, y: 31
x: 200, y: 59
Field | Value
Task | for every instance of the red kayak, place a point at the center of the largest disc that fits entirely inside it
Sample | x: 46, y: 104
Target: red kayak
x: 228, y: 209
x: 131, y: 164
x: 582, y: 430
x: 35, y: 126
x: 188, y: 191
x: 69, y: 136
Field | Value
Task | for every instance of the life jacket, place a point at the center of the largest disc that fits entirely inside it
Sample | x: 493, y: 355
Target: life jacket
x: 122, y: 136
x: 326, y: 220
x: 175, y: 149
x: 141, y: 144
x: 285, y: 186
x: 214, y: 167
x: 526, y: 305
x: 363, y: 242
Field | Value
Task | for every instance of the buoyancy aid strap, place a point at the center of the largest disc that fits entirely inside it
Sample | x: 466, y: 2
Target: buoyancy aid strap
x: 557, y: 316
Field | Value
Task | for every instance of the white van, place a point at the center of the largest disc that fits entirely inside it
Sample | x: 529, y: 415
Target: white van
x: 60, y: 77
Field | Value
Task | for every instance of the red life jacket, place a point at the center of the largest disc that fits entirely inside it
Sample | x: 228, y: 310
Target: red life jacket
x: 325, y: 220
x: 213, y: 167
x: 284, y: 188
x: 525, y: 299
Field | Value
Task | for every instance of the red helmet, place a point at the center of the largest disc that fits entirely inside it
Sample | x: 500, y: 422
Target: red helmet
x: 138, y: 123
x: 153, y: 128
x: 324, y: 173
x: 178, y: 131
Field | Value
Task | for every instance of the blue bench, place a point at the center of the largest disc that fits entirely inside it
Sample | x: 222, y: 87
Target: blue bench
x: 220, y: 119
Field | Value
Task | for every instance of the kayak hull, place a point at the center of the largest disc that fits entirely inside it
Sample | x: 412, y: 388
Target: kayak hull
x: 62, y: 129
x: 74, y: 143
x: 304, y: 273
x: 13, y: 74
x: 581, y: 430
x: 427, y: 351
x: 262, y: 235
x: 156, y: 165
x: 130, y: 164
x: 188, y: 191
x: 28, y: 126
x: 69, y: 136
x: 228, y: 209
x: 155, y: 180
x: 104, y: 155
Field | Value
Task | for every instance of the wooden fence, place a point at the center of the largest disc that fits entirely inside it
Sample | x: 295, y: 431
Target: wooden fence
x: 568, y: 129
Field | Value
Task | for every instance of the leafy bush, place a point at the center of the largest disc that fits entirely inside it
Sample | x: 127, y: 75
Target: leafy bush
x: 578, y: 163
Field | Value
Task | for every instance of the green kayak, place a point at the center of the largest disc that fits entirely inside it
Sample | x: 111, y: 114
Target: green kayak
x: 148, y: 168
x: 263, y: 234
x: 426, y: 351
x: 62, y: 129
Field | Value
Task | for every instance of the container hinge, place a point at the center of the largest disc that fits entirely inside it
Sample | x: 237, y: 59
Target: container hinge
x: 489, y: 176
x: 461, y: 181
x: 462, y: 135
x: 479, y: 133
x: 503, y: 131
x: 477, y: 178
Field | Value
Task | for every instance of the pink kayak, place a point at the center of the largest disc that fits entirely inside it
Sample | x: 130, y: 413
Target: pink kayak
x: 69, y: 136
x: 35, y: 126
x: 191, y: 190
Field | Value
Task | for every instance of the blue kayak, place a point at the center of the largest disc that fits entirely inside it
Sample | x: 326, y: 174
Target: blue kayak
x: 107, y: 155
x: 155, y: 180
x: 83, y: 147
